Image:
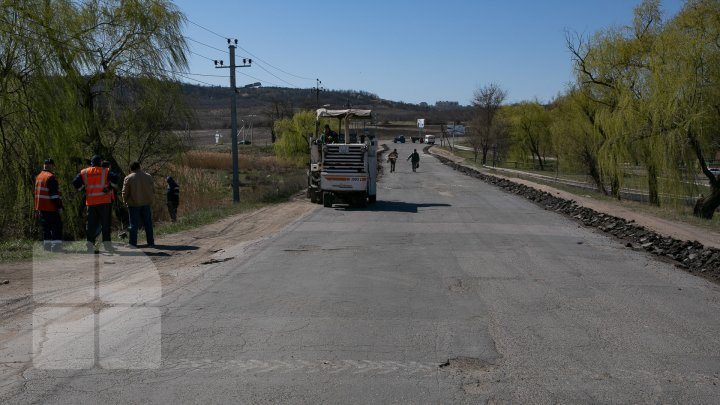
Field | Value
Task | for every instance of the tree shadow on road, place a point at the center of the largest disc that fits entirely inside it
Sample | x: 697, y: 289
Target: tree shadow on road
x: 401, y: 206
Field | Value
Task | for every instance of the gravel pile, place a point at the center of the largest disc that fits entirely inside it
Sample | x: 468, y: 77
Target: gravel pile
x: 690, y: 256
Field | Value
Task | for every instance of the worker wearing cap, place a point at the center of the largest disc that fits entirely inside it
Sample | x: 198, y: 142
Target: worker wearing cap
x: 98, y: 183
x: 48, y: 204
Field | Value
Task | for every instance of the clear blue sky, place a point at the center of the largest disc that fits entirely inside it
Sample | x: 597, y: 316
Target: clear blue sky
x: 403, y: 50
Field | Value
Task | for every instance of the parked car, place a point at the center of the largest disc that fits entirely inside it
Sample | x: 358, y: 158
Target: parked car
x: 430, y: 139
x: 399, y: 139
x: 415, y: 139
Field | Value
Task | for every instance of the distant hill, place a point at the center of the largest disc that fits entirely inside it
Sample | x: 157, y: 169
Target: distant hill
x: 211, y: 106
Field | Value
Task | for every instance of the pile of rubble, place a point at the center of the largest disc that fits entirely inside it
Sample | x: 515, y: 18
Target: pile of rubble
x: 691, y: 256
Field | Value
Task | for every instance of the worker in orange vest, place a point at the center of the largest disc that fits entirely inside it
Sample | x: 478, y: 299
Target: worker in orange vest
x: 48, y: 204
x: 98, y: 183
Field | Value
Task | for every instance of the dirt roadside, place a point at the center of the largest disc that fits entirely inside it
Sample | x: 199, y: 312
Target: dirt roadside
x: 180, y: 257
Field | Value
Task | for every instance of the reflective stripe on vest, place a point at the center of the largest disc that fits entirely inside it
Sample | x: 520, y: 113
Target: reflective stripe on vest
x: 96, y: 185
x: 43, y: 199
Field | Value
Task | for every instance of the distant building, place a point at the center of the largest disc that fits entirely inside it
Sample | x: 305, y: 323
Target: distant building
x: 447, y: 104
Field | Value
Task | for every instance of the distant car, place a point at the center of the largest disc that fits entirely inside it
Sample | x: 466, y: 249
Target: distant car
x: 715, y: 171
x: 430, y: 139
x: 399, y: 139
x: 415, y: 139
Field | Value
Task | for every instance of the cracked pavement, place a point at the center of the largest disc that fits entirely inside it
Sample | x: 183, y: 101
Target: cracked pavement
x: 446, y: 290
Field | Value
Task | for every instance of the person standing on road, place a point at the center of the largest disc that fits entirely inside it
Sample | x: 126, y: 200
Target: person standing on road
x: 137, y: 193
x: 97, y: 183
x: 414, y: 158
x: 173, y: 197
x: 48, y: 204
x: 113, y: 192
x: 392, y: 158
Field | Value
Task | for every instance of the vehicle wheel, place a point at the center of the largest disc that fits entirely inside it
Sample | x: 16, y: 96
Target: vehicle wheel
x: 327, y: 199
x: 313, y: 195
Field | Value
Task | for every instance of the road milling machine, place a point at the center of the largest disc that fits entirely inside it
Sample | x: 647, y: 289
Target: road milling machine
x: 344, y: 170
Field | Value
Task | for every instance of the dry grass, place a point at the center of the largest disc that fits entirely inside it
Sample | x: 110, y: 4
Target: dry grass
x: 211, y: 160
x: 205, y: 179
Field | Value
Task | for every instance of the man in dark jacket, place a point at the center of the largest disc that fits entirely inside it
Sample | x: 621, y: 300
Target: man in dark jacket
x: 173, y: 197
x: 414, y: 158
x: 48, y: 204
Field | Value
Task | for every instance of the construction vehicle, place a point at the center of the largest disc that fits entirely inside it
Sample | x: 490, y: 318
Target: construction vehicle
x: 346, y: 171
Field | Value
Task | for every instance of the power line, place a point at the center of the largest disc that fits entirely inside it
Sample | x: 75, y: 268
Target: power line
x: 248, y: 52
x: 204, y: 44
x: 196, y: 80
x: 260, y: 80
x: 191, y: 74
x: 207, y: 29
x: 274, y: 67
x: 202, y: 56
x: 273, y: 75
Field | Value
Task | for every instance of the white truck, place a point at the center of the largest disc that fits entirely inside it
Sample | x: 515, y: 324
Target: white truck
x: 343, y: 172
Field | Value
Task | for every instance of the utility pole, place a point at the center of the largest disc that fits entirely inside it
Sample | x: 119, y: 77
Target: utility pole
x: 318, y: 82
x: 233, y: 115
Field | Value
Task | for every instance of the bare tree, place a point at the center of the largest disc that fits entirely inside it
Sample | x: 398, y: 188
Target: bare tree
x: 487, y: 101
x: 279, y: 109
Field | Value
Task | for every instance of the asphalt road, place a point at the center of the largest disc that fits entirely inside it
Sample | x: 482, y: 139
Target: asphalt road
x: 446, y: 290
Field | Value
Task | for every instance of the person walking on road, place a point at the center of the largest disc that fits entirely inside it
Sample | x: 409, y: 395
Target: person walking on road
x: 173, y: 197
x: 414, y: 158
x: 392, y: 158
x: 97, y: 183
x: 137, y: 194
x: 48, y: 204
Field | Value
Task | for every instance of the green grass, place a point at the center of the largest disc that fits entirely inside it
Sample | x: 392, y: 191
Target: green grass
x: 16, y: 250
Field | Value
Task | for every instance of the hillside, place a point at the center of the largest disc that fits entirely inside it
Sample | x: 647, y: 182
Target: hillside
x: 211, y: 106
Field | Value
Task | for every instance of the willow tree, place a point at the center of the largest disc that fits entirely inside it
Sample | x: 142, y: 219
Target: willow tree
x: 686, y: 90
x: 612, y: 70
x: 71, y: 70
x: 20, y: 63
x: 529, y: 126
x: 575, y: 136
x: 113, y: 41
x: 293, y: 137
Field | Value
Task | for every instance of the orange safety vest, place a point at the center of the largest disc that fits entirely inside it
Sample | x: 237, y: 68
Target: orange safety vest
x: 43, y: 199
x: 97, y: 185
